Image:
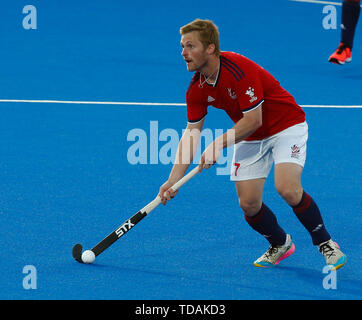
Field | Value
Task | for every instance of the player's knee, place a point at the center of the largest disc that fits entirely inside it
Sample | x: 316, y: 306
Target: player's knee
x: 250, y: 206
x: 291, y: 194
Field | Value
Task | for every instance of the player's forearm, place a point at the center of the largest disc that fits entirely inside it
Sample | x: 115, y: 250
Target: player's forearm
x: 186, y: 151
x: 241, y: 130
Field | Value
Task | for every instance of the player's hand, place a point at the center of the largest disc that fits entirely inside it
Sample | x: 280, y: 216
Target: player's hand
x: 210, y: 156
x: 166, y: 193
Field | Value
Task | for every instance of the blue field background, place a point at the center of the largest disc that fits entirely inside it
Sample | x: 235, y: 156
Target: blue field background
x: 65, y: 177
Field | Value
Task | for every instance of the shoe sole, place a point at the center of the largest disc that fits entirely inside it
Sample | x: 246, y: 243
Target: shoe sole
x: 336, y: 61
x: 340, y: 263
x: 284, y: 256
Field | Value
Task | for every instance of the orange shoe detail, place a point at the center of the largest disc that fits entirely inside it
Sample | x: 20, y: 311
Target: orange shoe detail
x: 341, y: 55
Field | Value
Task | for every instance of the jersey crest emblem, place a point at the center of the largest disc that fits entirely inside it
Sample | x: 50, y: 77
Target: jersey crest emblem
x: 251, y: 94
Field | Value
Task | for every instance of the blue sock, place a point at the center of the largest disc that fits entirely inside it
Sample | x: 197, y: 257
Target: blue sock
x: 309, y: 215
x: 350, y: 15
x: 265, y: 223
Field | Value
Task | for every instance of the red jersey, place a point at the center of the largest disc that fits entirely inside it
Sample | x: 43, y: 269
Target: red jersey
x: 241, y: 86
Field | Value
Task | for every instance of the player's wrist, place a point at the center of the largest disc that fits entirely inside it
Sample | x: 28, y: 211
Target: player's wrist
x: 173, y: 178
x: 220, y: 143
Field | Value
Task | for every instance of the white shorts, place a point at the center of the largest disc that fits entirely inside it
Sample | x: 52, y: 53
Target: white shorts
x: 254, y: 159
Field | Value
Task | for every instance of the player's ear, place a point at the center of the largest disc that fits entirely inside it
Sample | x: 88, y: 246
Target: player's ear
x: 211, y: 48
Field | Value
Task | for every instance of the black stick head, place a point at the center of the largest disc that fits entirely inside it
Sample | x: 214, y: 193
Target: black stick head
x: 77, y: 252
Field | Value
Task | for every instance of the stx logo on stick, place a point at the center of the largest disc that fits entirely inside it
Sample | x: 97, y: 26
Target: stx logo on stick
x: 124, y: 228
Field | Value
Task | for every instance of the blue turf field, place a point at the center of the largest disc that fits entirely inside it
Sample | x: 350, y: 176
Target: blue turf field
x: 65, y: 177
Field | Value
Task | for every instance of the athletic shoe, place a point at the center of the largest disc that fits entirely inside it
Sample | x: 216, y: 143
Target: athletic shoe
x: 275, y: 254
x: 335, y: 258
x: 341, y: 55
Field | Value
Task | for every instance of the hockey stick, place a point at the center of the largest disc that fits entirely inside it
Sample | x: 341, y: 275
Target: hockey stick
x: 130, y: 223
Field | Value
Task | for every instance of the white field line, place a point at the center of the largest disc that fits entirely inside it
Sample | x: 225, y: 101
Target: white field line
x: 97, y: 102
x: 124, y: 103
x: 320, y: 2
x: 329, y: 106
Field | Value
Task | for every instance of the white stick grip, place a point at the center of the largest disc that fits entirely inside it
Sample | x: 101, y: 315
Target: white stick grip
x: 154, y: 203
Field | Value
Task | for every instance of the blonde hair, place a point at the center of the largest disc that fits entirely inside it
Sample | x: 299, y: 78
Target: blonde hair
x: 208, y: 32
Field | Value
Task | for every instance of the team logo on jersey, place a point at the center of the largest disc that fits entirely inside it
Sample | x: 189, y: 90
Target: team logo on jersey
x: 232, y: 94
x: 251, y: 94
x: 295, y: 151
x: 210, y: 99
